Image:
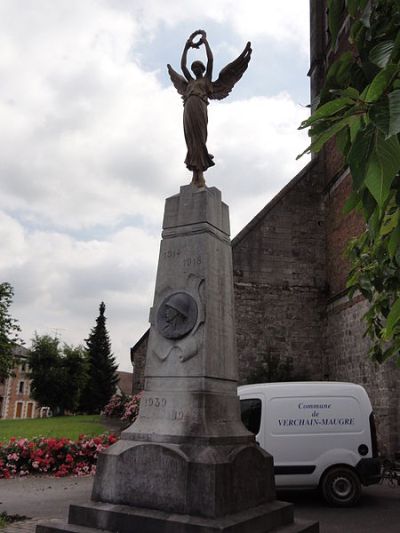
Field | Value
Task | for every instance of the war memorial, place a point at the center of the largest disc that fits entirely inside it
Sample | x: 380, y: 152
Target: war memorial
x: 187, y: 464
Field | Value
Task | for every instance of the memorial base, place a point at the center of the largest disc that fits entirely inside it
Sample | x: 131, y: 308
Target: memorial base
x: 271, y: 517
x: 188, y: 464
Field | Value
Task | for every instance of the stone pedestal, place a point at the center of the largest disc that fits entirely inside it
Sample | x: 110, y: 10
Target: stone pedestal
x: 188, y: 464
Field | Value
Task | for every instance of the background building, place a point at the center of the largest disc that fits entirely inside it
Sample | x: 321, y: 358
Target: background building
x: 15, y: 399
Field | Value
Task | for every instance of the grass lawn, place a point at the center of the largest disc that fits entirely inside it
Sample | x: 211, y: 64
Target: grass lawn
x: 57, y: 426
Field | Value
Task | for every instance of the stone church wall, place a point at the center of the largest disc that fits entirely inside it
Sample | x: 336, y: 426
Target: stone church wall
x: 138, y: 359
x: 279, y: 279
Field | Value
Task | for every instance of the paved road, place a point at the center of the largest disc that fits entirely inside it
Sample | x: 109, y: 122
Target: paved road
x: 47, y: 497
x: 378, y: 511
x: 42, y: 497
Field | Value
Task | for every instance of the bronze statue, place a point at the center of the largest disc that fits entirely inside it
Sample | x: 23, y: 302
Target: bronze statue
x: 196, y: 92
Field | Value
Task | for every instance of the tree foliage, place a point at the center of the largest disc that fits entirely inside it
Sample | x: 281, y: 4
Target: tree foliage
x: 58, y: 374
x: 360, y: 105
x: 9, y: 331
x: 102, y: 368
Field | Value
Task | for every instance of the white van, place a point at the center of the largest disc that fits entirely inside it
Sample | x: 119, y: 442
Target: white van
x: 320, y: 434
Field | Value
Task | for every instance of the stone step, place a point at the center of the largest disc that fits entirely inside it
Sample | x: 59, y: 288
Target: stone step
x: 272, y: 517
x: 298, y: 526
x: 120, y: 518
x: 59, y: 526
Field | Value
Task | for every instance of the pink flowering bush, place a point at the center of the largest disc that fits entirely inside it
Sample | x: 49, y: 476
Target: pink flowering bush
x: 131, y: 408
x: 116, y: 406
x: 59, y: 457
x: 124, y: 407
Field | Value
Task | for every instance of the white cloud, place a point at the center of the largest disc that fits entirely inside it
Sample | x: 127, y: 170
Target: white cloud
x: 257, y: 142
x: 59, y: 280
x: 286, y: 23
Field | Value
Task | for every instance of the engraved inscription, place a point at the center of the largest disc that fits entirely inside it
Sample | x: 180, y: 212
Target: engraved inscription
x: 171, y: 254
x: 192, y: 261
x: 156, y: 410
x: 155, y: 402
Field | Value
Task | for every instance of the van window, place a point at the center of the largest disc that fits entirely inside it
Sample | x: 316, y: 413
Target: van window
x: 251, y: 414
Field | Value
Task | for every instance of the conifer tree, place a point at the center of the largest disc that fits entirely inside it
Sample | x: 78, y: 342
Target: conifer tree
x: 102, y: 375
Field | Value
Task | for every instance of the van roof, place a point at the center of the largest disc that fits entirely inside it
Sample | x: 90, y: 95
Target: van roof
x: 301, y: 385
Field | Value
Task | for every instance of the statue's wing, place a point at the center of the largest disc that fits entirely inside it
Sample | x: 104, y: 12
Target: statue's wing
x: 231, y: 74
x: 178, y: 80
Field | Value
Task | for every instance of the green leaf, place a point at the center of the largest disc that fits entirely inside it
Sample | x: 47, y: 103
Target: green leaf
x: 350, y: 92
x: 395, y: 56
x: 394, y: 110
x: 385, y: 113
x: 382, y: 167
x: 352, y: 202
x: 369, y: 204
x: 380, y: 54
x: 355, y: 127
x: 389, y: 352
x: 380, y: 115
x: 393, y: 318
x: 327, y: 110
x: 366, y: 16
x: 343, y: 141
x: 360, y: 153
x: 394, y: 242
x: 322, y: 138
x: 380, y: 83
x: 390, y: 223
x: 356, y: 31
x: 352, y: 7
x: 373, y: 223
x: 337, y: 70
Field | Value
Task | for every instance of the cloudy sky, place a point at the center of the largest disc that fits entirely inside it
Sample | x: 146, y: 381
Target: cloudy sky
x: 92, y: 144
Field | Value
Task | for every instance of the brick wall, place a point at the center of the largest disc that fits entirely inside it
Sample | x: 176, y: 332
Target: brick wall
x: 347, y: 360
x: 340, y: 228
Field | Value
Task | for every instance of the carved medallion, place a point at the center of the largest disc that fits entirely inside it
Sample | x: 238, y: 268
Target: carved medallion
x: 177, y: 315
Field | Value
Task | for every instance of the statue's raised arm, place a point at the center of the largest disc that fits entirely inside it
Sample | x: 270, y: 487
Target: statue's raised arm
x: 196, y: 92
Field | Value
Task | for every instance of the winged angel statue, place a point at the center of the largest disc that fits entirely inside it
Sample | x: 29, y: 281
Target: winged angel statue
x: 196, y: 92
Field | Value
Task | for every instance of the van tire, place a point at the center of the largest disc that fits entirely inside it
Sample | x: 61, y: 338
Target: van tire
x: 341, y: 487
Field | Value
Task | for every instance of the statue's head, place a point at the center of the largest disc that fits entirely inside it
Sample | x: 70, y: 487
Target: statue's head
x: 198, y: 68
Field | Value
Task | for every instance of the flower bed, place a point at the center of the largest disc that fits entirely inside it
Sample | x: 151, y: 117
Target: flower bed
x: 58, y: 457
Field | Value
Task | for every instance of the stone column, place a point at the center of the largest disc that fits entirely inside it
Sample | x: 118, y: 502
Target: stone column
x: 189, y: 428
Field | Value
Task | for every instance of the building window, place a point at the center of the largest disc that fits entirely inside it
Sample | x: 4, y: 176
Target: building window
x: 21, y: 387
x: 23, y: 366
